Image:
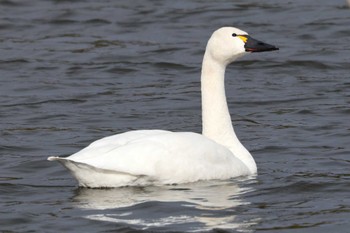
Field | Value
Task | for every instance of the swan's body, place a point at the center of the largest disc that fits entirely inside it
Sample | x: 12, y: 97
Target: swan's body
x: 162, y: 157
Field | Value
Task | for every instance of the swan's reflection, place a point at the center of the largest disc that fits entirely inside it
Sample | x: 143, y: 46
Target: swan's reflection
x: 200, y: 206
x: 201, y: 195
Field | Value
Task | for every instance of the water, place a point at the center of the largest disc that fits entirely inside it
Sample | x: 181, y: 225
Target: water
x: 73, y: 72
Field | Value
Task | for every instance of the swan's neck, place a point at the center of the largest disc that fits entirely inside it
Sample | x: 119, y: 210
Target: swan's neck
x: 216, y: 118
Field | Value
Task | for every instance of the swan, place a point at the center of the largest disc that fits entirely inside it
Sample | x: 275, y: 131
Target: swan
x: 159, y: 157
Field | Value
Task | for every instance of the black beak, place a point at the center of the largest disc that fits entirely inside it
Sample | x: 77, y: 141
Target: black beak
x: 253, y: 45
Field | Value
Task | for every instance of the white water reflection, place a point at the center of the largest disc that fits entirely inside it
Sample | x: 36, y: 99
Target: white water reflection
x: 193, y: 207
x: 198, y: 224
x: 202, y: 195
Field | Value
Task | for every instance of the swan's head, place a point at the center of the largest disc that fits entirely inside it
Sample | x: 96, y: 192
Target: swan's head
x: 228, y: 43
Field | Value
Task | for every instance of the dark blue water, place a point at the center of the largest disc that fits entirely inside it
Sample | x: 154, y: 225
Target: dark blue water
x: 73, y: 72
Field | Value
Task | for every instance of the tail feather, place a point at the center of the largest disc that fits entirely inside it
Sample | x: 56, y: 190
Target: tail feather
x: 94, y: 177
x: 53, y: 158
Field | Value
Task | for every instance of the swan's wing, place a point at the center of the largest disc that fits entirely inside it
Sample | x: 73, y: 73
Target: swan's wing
x: 106, y: 144
x: 166, y: 156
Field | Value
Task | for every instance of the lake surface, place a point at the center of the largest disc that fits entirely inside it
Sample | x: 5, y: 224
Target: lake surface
x: 73, y: 72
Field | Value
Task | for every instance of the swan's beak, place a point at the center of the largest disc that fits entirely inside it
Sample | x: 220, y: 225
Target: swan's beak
x: 253, y: 45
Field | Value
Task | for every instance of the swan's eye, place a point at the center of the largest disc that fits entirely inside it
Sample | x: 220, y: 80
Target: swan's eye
x: 234, y: 34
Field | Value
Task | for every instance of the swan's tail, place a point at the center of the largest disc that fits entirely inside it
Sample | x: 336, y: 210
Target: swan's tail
x: 94, y: 177
x: 53, y: 158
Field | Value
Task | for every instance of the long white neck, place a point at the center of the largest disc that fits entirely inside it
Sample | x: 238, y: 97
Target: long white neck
x: 216, y: 118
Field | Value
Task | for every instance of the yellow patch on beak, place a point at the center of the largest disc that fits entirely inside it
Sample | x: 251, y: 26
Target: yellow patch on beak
x: 244, y: 38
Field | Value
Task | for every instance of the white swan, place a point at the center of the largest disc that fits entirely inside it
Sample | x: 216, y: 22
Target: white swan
x: 145, y: 157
